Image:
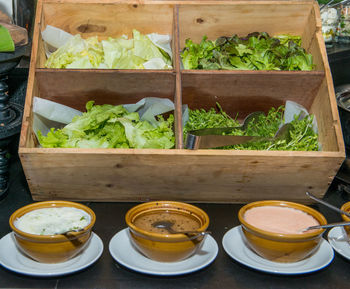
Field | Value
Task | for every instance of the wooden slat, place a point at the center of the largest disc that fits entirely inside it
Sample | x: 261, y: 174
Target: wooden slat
x: 248, y: 91
x: 309, y: 41
x: 194, y: 176
x: 109, y: 20
x: 41, y: 55
x: 242, y: 19
x: 30, y: 83
x: 177, y: 175
x: 214, y: 2
x: 325, y: 107
x: 178, y: 91
x: 75, y: 87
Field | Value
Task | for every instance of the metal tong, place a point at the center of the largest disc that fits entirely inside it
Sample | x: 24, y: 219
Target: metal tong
x: 213, y: 137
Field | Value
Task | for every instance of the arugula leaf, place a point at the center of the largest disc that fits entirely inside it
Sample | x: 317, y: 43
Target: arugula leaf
x: 200, y: 118
x: 302, y: 136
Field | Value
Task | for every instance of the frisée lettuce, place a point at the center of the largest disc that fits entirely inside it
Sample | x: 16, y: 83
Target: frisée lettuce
x: 302, y: 136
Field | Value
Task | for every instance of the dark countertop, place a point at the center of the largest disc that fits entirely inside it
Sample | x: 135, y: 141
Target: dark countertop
x: 224, y: 272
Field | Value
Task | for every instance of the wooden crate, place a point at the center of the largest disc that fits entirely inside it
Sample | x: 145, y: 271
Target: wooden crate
x: 179, y: 174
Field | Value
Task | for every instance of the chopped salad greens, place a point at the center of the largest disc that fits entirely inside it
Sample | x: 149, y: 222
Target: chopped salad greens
x: 256, y: 51
x: 301, y: 135
x: 138, y: 52
x: 109, y: 126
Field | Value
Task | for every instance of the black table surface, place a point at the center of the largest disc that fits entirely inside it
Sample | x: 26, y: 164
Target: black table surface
x: 224, y: 272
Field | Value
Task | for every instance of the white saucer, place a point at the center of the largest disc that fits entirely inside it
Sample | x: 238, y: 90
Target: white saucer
x: 235, y: 246
x: 339, y: 241
x: 12, y: 259
x: 125, y: 254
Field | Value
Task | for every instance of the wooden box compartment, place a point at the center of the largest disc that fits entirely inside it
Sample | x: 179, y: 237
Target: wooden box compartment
x: 179, y: 174
x: 104, y: 20
x: 237, y: 90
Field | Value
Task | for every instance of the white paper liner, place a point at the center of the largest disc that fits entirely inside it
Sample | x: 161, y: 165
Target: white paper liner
x: 292, y: 108
x: 48, y: 114
x: 54, y: 38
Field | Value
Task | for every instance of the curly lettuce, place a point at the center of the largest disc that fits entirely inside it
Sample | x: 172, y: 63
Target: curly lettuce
x: 256, y: 51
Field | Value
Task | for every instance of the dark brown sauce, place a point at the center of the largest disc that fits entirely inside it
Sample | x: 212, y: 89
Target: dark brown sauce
x: 181, y: 221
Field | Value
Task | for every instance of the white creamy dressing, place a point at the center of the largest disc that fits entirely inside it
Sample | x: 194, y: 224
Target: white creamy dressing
x: 51, y: 221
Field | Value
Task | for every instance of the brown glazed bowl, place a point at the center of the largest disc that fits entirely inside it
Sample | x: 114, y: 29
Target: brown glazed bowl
x: 165, y: 247
x: 51, y: 248
x: 346, y: 208
x: 282, y: 247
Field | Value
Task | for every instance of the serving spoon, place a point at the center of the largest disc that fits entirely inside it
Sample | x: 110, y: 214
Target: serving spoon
x: 66, y: 233
x: 331, y: 225
x: 327, y: 204
x: 167, y: 225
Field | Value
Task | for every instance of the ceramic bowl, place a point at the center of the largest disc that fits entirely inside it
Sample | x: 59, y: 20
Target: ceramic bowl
x: 346, y: 208
x: 282, y: 247
x: 51, y: 248
x: 166, y: 247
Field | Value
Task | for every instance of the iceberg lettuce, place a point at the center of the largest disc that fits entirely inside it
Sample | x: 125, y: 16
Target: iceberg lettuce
x: 114, y: 53
x: 77, y: 53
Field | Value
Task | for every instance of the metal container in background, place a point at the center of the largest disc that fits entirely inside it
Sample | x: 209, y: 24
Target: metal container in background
x: 343, y: 101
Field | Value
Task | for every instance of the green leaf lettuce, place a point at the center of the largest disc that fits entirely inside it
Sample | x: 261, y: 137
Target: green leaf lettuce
x: 109, y: 126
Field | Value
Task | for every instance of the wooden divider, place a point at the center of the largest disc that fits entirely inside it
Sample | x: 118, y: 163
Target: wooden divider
x: 179, y: 174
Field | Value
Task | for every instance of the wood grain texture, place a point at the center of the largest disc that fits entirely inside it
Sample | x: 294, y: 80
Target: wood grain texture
x: 25, y: 129
x: 325, y: 108
x: 215, y: 2
x: 109, y: 20
x: 178, y: 91
x: 248, y: 91
x: 176, y: 175
x: 242, y: 19
x: 309, y: 40
x: 75, y: 87
x: 195, y: 176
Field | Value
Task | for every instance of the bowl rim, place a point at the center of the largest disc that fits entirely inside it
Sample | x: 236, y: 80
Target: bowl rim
x: 49, y: 204
x: 317, y: 215
x: 345, y: 207
x: 154, y: 204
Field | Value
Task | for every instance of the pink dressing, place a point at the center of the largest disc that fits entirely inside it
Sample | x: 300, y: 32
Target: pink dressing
x: 281, y: 220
